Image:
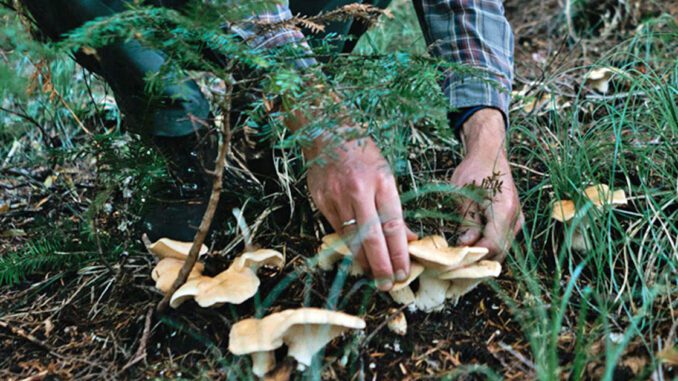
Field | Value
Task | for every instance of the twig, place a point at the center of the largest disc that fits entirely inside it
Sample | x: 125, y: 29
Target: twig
x: 218, y: 174
x: 27, y: 336
x: 369, y: 337
x: 143, y: 343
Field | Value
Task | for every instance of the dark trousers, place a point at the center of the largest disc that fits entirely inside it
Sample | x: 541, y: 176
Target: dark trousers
x: 125, y: 65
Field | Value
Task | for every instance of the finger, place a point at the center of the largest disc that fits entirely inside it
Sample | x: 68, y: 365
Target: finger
x: 332, y: 215
x: 395, y: 231
x: 372, y: 238
x: 348, y: 233
x: 499, y: 232
x: 411, y: 236
x: 471, y: 226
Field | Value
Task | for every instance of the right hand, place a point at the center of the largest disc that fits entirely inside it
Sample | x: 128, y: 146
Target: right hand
x: 355, y: 183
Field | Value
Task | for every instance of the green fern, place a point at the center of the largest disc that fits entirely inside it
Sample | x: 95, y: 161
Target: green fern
x: 36, y: 257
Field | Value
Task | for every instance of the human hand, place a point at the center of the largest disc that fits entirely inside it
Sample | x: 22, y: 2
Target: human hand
x: 355, y: 184
x: 494, y: 224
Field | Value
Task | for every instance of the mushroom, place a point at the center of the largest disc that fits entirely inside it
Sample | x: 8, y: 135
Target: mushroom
x: 565, y: 210
x: 334, y: 249
x: 434, y: 253
x: 231, y: 286
x: 305, y: 331
x: 437, y: 257
x: 259, y: 338
x: 166, y: 271
x: 482, y: 269
x: 431, y: 293
x: 168, y: 248
x: 398, y: 322
x: 401, y: 291
x: 465, y: 279
x: 259, y: 258
x: 235, y: 285
x: 600, y: 195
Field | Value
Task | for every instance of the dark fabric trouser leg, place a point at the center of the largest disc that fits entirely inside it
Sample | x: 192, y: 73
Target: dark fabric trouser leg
x: 166, y: 115
x: 125, y: 66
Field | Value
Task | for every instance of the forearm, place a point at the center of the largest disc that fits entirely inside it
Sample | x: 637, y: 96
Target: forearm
x: 475, y: 34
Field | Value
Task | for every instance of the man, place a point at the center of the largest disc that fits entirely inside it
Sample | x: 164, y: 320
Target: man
x: 355, y: 190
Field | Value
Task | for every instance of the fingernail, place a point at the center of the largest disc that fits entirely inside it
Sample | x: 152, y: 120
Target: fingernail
x: 400, y: 276
x: 384, y: 284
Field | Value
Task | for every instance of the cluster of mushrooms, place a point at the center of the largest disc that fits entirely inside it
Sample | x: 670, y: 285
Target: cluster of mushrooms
x: 443, y: 273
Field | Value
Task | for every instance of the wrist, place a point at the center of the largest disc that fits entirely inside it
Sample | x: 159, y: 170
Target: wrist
x: 484, y: 132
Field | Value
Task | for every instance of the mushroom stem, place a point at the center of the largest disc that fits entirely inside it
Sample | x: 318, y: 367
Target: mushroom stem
x: 262, y: 363
x: 404, y: 295
x: 431, y: 294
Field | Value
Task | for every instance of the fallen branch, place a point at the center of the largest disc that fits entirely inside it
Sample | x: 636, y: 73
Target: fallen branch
x: 143, y: 343
x: 218, y: 174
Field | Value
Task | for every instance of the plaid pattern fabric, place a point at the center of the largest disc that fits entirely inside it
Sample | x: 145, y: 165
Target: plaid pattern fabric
x: 471, y: 32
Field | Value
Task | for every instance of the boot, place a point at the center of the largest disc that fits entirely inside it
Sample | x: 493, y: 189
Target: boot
x: 177, y: 210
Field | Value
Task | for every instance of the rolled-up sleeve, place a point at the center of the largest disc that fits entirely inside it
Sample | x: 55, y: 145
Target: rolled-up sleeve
x: 475, y: 33
x: 254, y: 31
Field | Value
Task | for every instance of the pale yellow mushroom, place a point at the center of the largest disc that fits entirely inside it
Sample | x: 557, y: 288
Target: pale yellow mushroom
x: 166, y: 271
x: 259, y: 258
x: 235, y: 285
x: 168, y: 248
x: 305, y: 331
x: 563, y: 210
x: 332, y: 250
x: 401, y: 291
x: 231, y: 286
x: 463, y: 280
x: 431, y: 293
x: 398, y: 323
x: 600, y: 195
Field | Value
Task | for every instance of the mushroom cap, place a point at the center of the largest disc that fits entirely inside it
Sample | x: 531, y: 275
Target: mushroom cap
x: 415, y: 270
x: 600, y: 195
x: 563, y: 210
x: 231, y: 286
x: 166, y: 271
x: 332, y: 250
x: 473, y: 255
x: 258, y: 258
x: 398, y: 323
x: 304, y: 330
x: 433, y: 252
x: 168, y: 248
x: 258, y: 335
x: 187, y: 291
x: 335, y: 243
x: 479, y: 270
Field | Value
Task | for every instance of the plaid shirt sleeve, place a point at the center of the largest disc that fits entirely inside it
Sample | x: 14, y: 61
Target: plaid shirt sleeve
x: 274, y: 13
x: 471, y: 32
x: 475, y: 33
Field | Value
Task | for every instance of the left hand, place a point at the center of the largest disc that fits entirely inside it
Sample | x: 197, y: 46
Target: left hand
x: 495, y: 225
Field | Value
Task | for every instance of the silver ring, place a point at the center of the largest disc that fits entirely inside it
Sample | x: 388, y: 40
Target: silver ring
x: 350, y: 222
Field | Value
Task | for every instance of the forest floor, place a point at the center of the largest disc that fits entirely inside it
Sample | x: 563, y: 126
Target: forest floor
x: 77, y: 303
